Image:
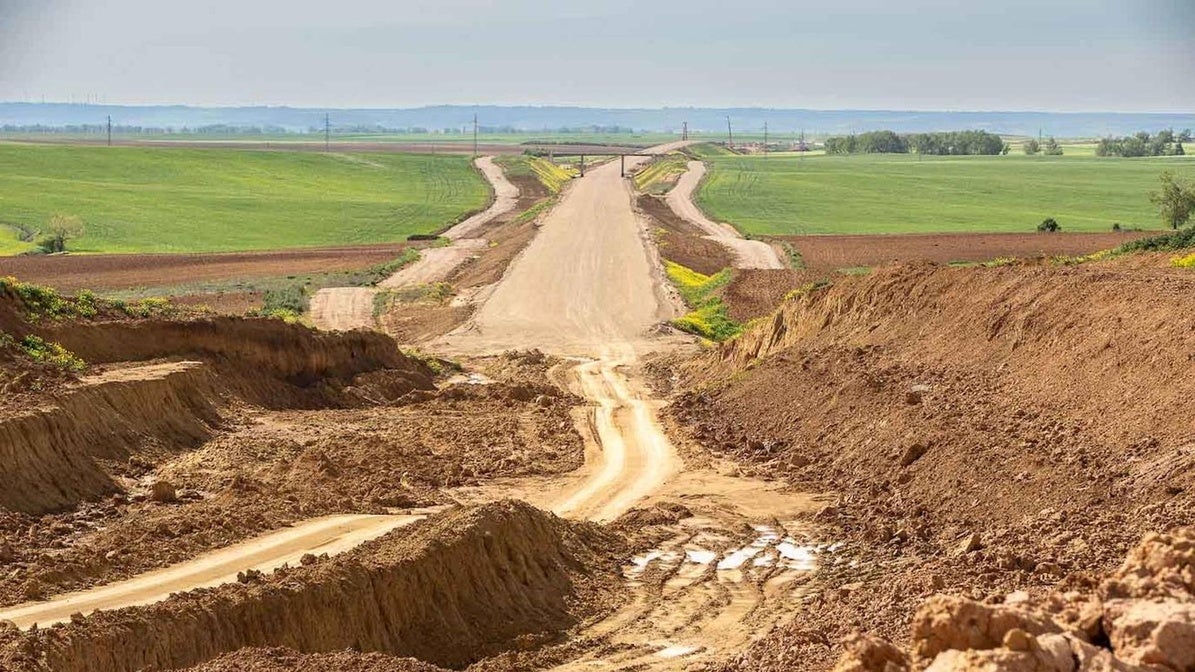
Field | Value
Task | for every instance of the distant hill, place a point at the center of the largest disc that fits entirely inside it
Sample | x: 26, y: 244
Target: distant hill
x: 713, y: 120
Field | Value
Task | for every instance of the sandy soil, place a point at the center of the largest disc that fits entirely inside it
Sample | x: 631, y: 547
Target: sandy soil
x: 748, y: 253
x: 343, y: 308
x: 330, y: 534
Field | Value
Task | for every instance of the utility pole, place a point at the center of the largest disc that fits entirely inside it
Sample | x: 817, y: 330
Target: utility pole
x: 729, y: 135
x: 475, y: 135
x: 109, y: 130
x: 327, y: 132
x: 684, y: 130
x: 765, y: 139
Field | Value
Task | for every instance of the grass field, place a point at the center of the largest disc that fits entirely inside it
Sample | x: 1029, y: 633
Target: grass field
x: 871, y: 194
x: 209, y: 200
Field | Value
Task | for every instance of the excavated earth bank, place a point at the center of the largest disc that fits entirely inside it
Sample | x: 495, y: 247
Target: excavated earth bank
x: 460, y: 586
x: 988, y: 429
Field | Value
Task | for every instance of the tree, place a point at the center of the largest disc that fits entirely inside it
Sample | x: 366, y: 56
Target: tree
x: 1049, y: 225
x: 61, y: 228
x: 1184, y: 135
x: 1175, y: 200
x: 1031, y: 147
x: 1052, y: 147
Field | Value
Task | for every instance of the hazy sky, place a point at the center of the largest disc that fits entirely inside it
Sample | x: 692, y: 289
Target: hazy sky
x: 1070, y: 55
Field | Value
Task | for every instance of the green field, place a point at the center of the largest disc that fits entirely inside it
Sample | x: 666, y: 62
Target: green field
x: 212, y: 200
x: 876, y: 193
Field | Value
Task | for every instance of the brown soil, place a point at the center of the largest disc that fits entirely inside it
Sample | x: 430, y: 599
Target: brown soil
x: 288, y: 660
x: 832, y: 252
x: 755, y: 292
x: 681, y: 242
x: 989, y: 429
x: 126, y: 271
x: 466, y: 584
x: 249, y: 471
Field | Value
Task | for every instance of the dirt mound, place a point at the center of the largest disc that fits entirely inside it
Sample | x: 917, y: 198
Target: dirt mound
x: 1140, y: 617
x: 289, y: 660
x: 449, y: 590
x: 289, y: 352
x: 989, y: 429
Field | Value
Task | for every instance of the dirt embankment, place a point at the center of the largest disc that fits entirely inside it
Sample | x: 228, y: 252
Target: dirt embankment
x: 263, y: 470
x: 450, y: 590
x: 989, y: 429
x: 75, y: 442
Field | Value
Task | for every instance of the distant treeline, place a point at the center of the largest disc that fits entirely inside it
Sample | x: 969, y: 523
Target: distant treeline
x: 352, y: 129
x: 1164, y: 143
x: 944, y: 143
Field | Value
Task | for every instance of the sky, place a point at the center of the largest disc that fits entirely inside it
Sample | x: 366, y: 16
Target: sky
x: 1049, y: 55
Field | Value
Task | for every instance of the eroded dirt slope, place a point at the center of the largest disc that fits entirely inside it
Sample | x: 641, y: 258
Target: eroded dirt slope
x: 449, y: 590
x: 989, y: 429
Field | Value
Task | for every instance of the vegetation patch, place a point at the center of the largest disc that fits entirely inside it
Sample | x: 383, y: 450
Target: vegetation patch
x: 137, y: 199
x: 52, y: 354
x: 45, y: 303
x: 708, y: 316
x: 900, y: 193
x: 551, y: 175
x: 660, y: 175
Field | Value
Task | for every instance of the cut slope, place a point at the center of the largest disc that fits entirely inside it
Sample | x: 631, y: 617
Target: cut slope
x: 448, y: 590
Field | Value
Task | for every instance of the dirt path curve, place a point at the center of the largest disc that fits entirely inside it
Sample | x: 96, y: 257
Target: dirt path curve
x: 346, y: 308
x: 328, y: 534
x: 748, y: 253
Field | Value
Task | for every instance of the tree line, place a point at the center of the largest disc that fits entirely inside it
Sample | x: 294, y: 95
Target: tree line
x: 1162, y: 143
x: 947, y: 143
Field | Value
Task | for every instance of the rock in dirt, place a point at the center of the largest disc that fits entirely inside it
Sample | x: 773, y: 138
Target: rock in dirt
x: 969, y: 544
x: 163, y: 492
x: 1141, y: 617
x: 913, y: 452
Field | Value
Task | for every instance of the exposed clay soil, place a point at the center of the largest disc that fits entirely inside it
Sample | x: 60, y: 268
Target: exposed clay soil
x: 462, y: 585
x: 682, y: 242
x: 125, y: 271
x: 266, y: 469
x: 988, y: 429
x: 832, y: 252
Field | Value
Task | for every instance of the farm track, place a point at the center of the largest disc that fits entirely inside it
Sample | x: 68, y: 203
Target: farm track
x: 345, y: 308
x: 747, y: 253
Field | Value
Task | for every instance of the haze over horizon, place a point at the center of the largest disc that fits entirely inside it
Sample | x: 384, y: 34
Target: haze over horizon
x: 1070, y: 56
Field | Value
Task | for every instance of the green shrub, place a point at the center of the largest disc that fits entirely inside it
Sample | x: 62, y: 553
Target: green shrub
x: 1049, y: 225
x: 51, y: 353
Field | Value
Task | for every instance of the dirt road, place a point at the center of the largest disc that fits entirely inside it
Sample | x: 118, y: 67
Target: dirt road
x: 346, y: 308
x: 329, y: 534
x: 343, y: 308
x: 585, y: 283
x: 748, y: 253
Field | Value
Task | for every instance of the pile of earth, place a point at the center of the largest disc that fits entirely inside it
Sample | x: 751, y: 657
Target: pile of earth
x: 266, y: 469
x: 460, y: 586
x: 1139, y: 617
x: 988, y: 430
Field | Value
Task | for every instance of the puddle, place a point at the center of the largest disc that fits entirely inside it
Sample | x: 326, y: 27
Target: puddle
x: 771, y: 547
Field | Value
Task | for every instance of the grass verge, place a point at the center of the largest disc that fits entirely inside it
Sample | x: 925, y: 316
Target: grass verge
x: 708, y: 316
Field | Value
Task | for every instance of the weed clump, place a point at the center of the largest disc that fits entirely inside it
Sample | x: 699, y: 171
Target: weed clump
x: 53, y: 354
x: 709, y: 317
